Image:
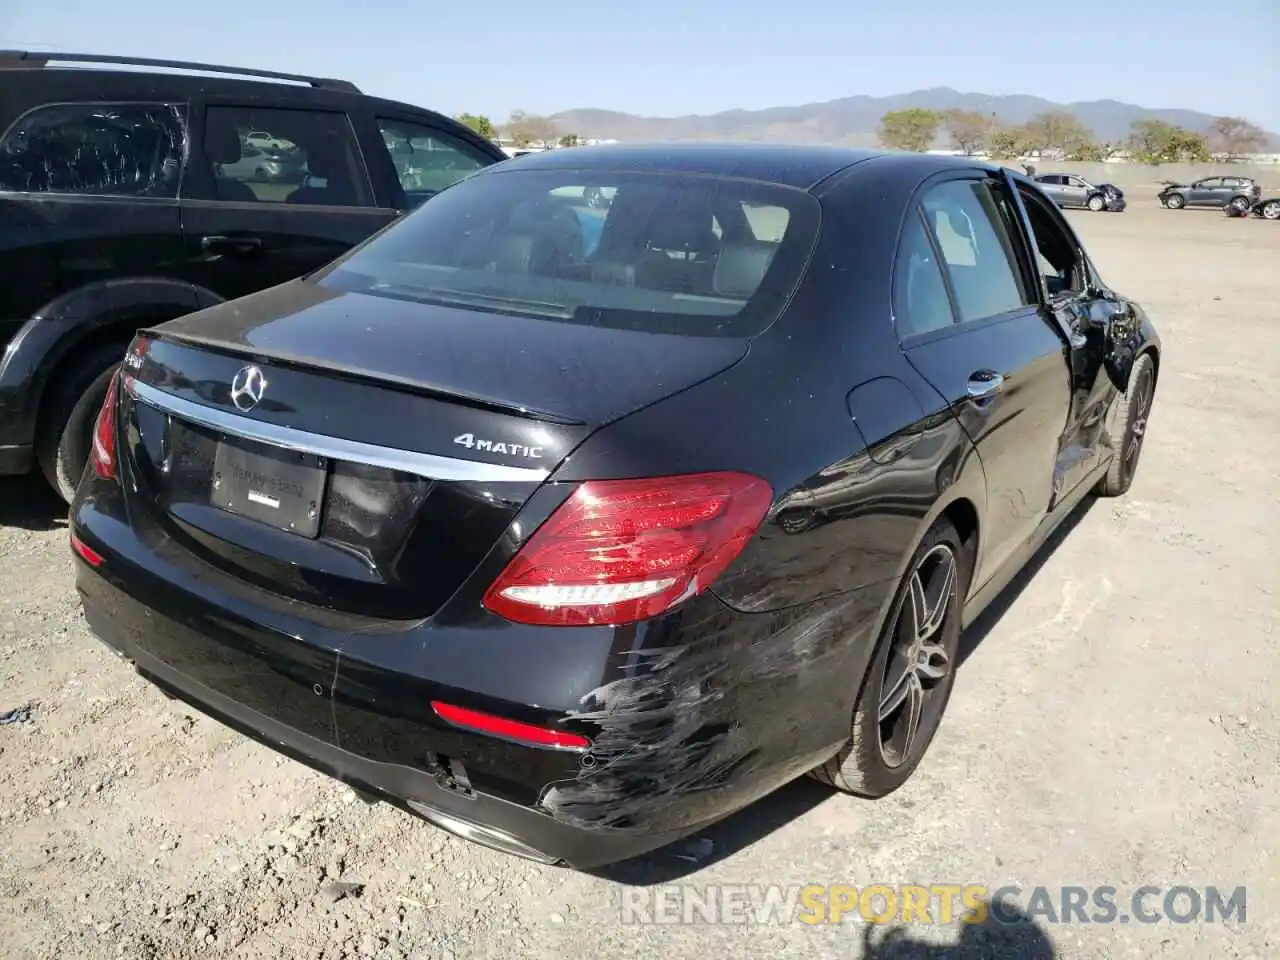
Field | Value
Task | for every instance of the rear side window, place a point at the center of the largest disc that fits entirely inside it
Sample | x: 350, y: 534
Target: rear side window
x: 924, y: 302
x: 698, y: 256
x: 426, y: 160
x: 115, y: 150
x: 284, y: 156
x: 970, y: 223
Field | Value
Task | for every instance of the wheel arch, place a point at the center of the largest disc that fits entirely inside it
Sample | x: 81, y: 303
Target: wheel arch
x: 88, y: 318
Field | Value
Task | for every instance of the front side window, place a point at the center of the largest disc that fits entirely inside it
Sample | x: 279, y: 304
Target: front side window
x: 695, y: 256
x: 427, y: 160
x: 284, y: 156
x: 1057, y: 253
x: 971, y: 227
x: 114, y: 150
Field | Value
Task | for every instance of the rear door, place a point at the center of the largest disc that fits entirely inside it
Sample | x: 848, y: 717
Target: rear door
x: 1051, y: 184
x: 253, y: 216
x: 971, y: 323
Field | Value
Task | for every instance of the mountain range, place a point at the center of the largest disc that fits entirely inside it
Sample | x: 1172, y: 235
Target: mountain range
x: 854, y: 120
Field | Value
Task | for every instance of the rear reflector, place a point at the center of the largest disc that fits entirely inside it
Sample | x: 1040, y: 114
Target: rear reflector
x: 86, y: 552
x: 618, y: 551
x: 508, y: 729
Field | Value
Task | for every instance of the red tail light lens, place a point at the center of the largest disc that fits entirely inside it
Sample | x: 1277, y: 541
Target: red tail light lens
x: 618, y: 551
x: 91, y: 556
x: 103, y: 453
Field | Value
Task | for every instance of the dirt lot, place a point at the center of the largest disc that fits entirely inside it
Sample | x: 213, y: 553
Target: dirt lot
x: 1116, y: 723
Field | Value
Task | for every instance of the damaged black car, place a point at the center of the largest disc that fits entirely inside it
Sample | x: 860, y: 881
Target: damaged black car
x: 575, y: 528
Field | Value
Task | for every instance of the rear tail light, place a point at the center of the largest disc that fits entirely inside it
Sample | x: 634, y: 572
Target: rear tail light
x: 618, y: 551
x: 103, y: 452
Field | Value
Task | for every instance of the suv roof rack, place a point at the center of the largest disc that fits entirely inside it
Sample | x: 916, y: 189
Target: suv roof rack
x: 40, y: 58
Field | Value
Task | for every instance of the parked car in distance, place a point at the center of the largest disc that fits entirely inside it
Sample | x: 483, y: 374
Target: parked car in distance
x: 1070, y: 190
x: 1268, y: 208
x: 1238, y: 192
x: 129, y: 197
x: 264, y: 141
x: 575, y: 550
x: 261, y: 166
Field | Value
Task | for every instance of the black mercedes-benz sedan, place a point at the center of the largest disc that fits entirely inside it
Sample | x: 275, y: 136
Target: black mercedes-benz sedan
x: 574, y: 527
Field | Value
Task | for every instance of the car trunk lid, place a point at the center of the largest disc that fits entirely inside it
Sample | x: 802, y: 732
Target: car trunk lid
x: 365, y: 454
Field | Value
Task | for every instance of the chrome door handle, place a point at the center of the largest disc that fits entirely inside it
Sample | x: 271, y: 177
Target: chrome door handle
x: 984, y: 384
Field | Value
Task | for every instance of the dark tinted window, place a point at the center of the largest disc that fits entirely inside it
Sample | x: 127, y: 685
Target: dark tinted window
x: 133, y: 150
x: 924, y: 302
x: 284, y: 156
x: 427, y: 160
x: 1056, y: 252
x: 972, y: 233
x: 698, y: 256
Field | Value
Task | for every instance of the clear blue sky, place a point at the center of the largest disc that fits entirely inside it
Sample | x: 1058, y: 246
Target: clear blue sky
x: 668, y: 57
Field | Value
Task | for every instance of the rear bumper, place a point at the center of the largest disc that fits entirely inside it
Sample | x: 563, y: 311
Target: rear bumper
x: 486, y: 819
x: 691, y: 717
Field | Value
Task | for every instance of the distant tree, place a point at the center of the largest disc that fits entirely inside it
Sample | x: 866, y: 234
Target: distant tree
x: 1008, y: 143
x: 570, y: 140
x: 1236, y: 136
x: 1156, y: 142
x: 969, y: 129
x: 479, y: 123
x: 1057, y: 132
x: 911, y: 129
x: 526, y: 128
x: 1090, y: 152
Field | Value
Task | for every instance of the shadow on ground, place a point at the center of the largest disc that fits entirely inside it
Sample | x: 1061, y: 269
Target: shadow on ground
x: 1005, y: 934
x: 28, y: 503
x: 742, y: 829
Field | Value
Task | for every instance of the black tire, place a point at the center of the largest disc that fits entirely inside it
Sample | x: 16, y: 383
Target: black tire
x: 1097, y: 203
x: 869, y: 765
x: 1270, y: 210
x: 1134, y: 413
x: 1176, y: 201
x: 71, y: 403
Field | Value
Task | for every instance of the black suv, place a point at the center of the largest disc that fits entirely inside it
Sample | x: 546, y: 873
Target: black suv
x: 130, y: 197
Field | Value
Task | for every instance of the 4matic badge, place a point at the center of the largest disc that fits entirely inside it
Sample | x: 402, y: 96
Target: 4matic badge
x: 470, y: 441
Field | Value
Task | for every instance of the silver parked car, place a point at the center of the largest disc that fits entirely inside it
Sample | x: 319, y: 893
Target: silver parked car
x: 1069, y: 190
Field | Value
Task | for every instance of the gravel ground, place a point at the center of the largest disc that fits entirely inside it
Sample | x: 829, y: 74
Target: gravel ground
x: 1115, y: 723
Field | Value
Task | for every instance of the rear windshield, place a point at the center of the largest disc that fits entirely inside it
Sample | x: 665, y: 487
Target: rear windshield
x: 690, y: 255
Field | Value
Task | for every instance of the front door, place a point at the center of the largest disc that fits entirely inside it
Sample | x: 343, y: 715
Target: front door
x: 1084, y: 319
x: 1206, y: 193
x: 976, y: 331
x: 255, y: 214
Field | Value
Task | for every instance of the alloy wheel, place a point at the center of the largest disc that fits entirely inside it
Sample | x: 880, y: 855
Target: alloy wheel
x: 1271, y: 211
x: 1138, y: 414
x: 918, y: 661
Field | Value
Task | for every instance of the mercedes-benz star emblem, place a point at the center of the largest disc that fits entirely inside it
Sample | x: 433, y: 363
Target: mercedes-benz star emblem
x: 247, y: 388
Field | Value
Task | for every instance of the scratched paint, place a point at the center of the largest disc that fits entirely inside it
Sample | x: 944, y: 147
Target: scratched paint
x: 684, y: 732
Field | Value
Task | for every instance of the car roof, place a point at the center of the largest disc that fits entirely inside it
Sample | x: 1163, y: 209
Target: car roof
x: 801, y: 166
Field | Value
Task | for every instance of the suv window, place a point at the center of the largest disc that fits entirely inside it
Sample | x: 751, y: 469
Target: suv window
x: 924, y: 301
x: 531, y: 243
x: 312, y: 157
x: 98, y: 149
x: 971, y: 226
x: 425, y: 159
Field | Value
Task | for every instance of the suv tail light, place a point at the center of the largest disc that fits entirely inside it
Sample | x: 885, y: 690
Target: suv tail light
x: 618, y: 551
x: 102, y: 454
